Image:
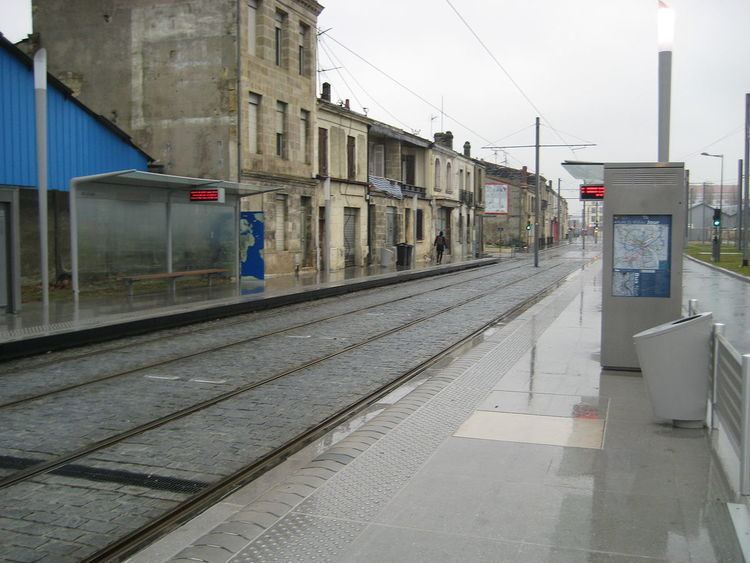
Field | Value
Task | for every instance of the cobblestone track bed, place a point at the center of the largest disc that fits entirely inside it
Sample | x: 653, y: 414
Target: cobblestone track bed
x: 28, y: 377
x: 94, y: 413
x: 61, y: 518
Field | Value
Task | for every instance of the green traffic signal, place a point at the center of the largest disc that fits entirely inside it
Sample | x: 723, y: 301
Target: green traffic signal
x: 717, y: 217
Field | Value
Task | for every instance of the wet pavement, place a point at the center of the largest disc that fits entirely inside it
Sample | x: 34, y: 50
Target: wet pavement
x: 521, y: 448
x: 726, y: 296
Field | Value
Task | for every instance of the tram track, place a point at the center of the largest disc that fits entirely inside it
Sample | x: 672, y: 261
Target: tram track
x: 51, y: 465
x: 109, y: 461
x: 207, y: 350
x: 126, y: 546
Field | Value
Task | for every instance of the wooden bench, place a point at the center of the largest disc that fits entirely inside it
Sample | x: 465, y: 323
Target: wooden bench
x: 172, y: 277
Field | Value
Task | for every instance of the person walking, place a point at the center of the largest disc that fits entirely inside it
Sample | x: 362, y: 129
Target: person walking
x: 440, y: 244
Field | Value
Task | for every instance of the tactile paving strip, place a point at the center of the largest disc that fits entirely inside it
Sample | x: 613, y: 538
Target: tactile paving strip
x: 332, y: 516
x: 300, y: 537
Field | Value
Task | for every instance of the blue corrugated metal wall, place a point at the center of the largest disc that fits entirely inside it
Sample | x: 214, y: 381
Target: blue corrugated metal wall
x: 78, y: 144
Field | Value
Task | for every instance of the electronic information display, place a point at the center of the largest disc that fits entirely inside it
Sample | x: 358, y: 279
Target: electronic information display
x: 591, y: 192
x: 642, y: 255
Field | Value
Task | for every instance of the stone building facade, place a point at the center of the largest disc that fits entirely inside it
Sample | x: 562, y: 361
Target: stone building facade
x: 399, y: 205
x: 456, y: 187
x: 217, y: 89
x: 342, y: 172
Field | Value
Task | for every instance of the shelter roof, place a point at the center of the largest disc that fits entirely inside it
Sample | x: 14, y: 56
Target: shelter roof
x: 166, y: 181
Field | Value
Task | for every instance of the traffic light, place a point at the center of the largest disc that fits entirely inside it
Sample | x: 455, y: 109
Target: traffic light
x: 528, y: 225
x: 717, y: 218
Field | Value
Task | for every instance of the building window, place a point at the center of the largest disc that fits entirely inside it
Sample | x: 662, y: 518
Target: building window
x: 448, y: 178
x: 281, y: 129
x: 252, y: 23
x: 437, y: 173
x: 420, y: 225
x: 323, y: 152
x: 351, y: 158
x: 461, y: 179
x: 468, y: 181
x: 408, y: 169
x: 304, y: 118
x: 304, y: 38
x: 253, y: 120
x: 279, y: 37
x: 377, y: 160
x: 280, y: 209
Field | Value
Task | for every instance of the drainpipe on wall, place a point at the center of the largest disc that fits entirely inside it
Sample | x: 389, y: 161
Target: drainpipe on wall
x: 327, y: 233
x: 415, y: 206
x: 239, y: 99
x: 367, y: 202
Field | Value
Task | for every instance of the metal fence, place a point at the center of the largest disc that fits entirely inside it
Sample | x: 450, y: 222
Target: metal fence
x: 729, y: 388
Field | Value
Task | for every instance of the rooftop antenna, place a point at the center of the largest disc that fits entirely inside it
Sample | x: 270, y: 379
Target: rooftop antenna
x: 432, y: 118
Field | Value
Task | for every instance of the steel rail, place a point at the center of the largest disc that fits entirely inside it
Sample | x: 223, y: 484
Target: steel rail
x: 59, y: 461
x: 180, y: 357
x: 124, y: 547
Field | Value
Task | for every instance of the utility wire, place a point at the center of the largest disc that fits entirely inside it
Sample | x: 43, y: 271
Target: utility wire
x: 330, y: 54
x: 415, y: 94
x: 412, y: 92
x: 497, y: 62
x: 354, y: 94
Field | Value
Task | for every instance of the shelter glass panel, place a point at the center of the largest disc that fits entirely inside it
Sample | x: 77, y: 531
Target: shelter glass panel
x: 203, y: 236
x: 121, y: 231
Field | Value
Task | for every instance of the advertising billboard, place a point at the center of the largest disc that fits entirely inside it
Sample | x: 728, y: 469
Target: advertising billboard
x: 496, y: 199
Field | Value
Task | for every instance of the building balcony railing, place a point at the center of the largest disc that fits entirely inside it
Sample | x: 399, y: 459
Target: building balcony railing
x: 467, y: 197
x: 408, y: 189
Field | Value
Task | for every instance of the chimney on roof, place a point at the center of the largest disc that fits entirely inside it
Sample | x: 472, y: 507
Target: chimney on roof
x: 326, y: 95
x: 444, y: 139
x: 346, y: 103
x: 467, y: 149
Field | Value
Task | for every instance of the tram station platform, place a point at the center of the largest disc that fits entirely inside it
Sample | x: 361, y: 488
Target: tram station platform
x: 517, y: 448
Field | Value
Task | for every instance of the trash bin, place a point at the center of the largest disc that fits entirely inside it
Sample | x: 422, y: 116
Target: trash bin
x: 403, y: 254
x: 674, y: 359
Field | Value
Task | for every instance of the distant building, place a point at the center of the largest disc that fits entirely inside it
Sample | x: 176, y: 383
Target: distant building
x: 514, y: 225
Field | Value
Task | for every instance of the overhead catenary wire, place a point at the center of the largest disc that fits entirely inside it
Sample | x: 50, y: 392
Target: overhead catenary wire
x: 708, y: 146
x: 497, y: 62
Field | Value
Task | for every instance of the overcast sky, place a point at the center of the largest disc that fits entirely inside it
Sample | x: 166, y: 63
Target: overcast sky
x: 589, y: 67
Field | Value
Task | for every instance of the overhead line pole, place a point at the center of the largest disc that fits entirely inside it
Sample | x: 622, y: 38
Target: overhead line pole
x: 538, y: 206
x: 559, y: 204
x: 745, y: 253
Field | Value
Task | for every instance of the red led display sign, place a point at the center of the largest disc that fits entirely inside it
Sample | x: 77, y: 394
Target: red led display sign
x: 592, y: 192
x: 214, y: 194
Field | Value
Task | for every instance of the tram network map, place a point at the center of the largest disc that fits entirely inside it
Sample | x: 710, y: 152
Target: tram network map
x: 641, y: 264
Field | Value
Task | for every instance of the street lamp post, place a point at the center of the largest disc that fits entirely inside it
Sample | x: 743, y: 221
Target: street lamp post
x: 665, y: 31
x: 721, y: 190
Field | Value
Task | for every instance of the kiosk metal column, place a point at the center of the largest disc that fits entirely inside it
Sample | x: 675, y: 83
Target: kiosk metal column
x: 644, y: 220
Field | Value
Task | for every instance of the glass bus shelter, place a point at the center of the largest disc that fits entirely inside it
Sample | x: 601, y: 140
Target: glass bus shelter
x: 131, y: 224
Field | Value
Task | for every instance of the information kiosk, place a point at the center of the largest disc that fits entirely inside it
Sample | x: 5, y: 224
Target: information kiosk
x: 644, y: 218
